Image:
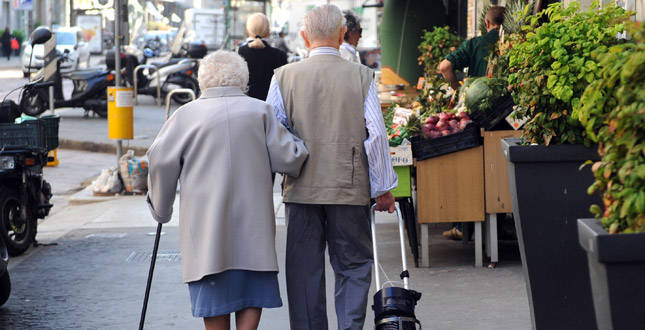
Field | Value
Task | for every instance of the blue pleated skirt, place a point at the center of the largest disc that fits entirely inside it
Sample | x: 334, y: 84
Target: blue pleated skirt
x: 233, y: 290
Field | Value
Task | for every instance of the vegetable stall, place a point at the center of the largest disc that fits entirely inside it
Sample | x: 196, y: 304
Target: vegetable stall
x: 459, y: 173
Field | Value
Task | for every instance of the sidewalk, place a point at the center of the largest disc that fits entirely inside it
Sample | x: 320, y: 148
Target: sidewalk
x: 96, y: 276
x: 91, y: 133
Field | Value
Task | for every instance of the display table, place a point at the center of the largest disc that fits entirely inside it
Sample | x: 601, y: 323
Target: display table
x: 497, y: 191
x: 450, y: 188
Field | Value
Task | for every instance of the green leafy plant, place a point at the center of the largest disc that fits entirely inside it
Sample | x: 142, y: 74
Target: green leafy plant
x: 553, y: 64
x: 434, y: 47
x: 612, y: 110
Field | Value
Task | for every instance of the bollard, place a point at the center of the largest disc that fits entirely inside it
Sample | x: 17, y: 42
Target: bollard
x: 120, y: 117
x: 175, y: 91
x: 156, y: 70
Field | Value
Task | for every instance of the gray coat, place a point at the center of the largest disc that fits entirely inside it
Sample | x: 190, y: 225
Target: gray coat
x: 222, y: 149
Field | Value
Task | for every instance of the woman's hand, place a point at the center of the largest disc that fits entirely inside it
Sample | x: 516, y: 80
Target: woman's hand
x: 385, y: 202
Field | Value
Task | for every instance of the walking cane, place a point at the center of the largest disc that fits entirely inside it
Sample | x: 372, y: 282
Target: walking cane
x: 152, y: 269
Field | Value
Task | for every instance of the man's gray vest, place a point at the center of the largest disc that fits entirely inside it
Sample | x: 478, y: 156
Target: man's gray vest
x: 324, y: 97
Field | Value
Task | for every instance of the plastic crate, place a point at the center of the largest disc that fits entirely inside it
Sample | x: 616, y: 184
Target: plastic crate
x: 502, y: 107
x: 27, y: 135
x: 470, y: 137
x: 51, y: 131
x: 404, y: 189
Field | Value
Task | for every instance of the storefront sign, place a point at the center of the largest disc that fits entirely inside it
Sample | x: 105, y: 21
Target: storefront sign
x: 91, y: 27
x: 23, y: 4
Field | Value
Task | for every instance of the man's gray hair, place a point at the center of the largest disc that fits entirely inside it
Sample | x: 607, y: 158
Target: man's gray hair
x: 223, y: 68
x: 323, y: 22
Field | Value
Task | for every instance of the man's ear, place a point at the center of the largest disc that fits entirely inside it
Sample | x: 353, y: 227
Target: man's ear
x: 487, y: 24
x: 343, y: 30
x: 304, y: 37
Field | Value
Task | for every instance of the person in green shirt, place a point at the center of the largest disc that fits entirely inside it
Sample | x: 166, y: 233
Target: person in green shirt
x: 473, y: 53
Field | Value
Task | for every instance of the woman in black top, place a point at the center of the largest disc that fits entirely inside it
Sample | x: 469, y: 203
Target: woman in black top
x: 261, y: 58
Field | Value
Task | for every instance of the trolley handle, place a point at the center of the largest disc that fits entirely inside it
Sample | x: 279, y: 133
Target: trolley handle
x: 404, y: 274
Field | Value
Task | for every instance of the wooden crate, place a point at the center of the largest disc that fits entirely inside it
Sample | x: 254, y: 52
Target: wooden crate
x: 498, y: 195
x: 450, y: 188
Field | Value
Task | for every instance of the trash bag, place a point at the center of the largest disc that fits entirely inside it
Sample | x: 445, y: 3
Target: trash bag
x: 107, y: 183
x: 134, y: 172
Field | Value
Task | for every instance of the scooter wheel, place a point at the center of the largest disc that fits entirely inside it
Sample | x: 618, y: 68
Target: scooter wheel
x: 5, y: 287
x: 32, y: 104
x: 17, y: 234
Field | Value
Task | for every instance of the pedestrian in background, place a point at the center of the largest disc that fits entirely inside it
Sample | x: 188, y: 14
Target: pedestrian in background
x: 281, y: 44
x: 351, y: 38
x: 5, y: 39
x: 473, y: 54
x: 261, y: 58
x: 332, y: 104
x: 222, y: 148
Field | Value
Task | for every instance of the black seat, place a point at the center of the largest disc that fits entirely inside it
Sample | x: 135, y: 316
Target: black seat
x: 172, y: 61
x: 85, y: 74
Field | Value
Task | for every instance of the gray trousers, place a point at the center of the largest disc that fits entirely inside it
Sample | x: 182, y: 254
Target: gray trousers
x: 346, y: 230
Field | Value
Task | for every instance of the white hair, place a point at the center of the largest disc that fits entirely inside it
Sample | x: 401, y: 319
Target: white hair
x: 223, y: 68
x: 323, y: 22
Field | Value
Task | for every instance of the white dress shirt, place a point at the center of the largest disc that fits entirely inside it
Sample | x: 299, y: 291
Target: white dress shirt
x: 382, y: 175
x: 349, y: 53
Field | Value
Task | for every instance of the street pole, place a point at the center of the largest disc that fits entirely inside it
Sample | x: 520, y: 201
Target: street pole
x: 117, y: 65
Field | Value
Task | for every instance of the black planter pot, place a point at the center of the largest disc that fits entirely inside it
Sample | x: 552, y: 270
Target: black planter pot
x: 617, y: 271
x: 549, y: 193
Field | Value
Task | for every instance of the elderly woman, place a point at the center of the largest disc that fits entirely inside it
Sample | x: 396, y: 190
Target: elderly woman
x: 261, y: 57
x: 222, y: 148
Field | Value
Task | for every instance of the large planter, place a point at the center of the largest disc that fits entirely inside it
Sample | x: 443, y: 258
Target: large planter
x: 549, y: 193
x: 617, y: 272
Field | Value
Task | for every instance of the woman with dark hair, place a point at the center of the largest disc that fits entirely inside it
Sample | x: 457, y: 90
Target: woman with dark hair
x: 261, y: 58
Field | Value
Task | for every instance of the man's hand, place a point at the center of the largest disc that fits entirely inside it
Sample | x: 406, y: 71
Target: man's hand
x: 385, y: 202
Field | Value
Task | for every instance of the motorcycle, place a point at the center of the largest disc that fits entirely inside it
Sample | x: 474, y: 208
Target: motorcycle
x: 24, y: 194
x: 89, y: 93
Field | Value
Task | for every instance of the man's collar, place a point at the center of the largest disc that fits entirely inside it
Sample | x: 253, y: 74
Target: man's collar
x: 222, y: 91
x: 349, y: 47
x: 323, y: 51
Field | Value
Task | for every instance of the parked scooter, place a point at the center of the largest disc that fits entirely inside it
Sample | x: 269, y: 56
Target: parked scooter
x: 24, y: 195
x: 5, y: 281
x: 90, y: 91
x: 173, y: 74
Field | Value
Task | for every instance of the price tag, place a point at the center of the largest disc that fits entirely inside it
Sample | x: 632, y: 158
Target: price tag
x: 516, y: 123
x: 401, y: 155
x: 401, y: 115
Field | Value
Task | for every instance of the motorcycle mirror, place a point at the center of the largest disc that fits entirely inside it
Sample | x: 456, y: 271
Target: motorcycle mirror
x: 40, y: 35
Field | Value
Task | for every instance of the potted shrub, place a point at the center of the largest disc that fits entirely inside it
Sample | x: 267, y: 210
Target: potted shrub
x: 550, y: 67
x: 612, y: 110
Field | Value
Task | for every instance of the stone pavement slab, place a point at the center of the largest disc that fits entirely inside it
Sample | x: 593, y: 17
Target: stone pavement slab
x: 95, y: 277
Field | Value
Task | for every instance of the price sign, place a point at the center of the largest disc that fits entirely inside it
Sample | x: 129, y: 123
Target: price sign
x: 401, y: 155
x: 401, y: 116
x: 514, y: 122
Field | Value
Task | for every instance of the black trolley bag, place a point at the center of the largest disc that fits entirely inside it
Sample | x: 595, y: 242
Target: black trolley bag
x: 393, y: 306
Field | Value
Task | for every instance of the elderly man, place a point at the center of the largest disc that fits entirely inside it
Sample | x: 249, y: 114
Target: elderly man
x: 351, y: 38
x: 332, y: 105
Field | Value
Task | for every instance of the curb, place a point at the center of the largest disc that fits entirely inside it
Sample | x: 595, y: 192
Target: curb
x: 108, y: 148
